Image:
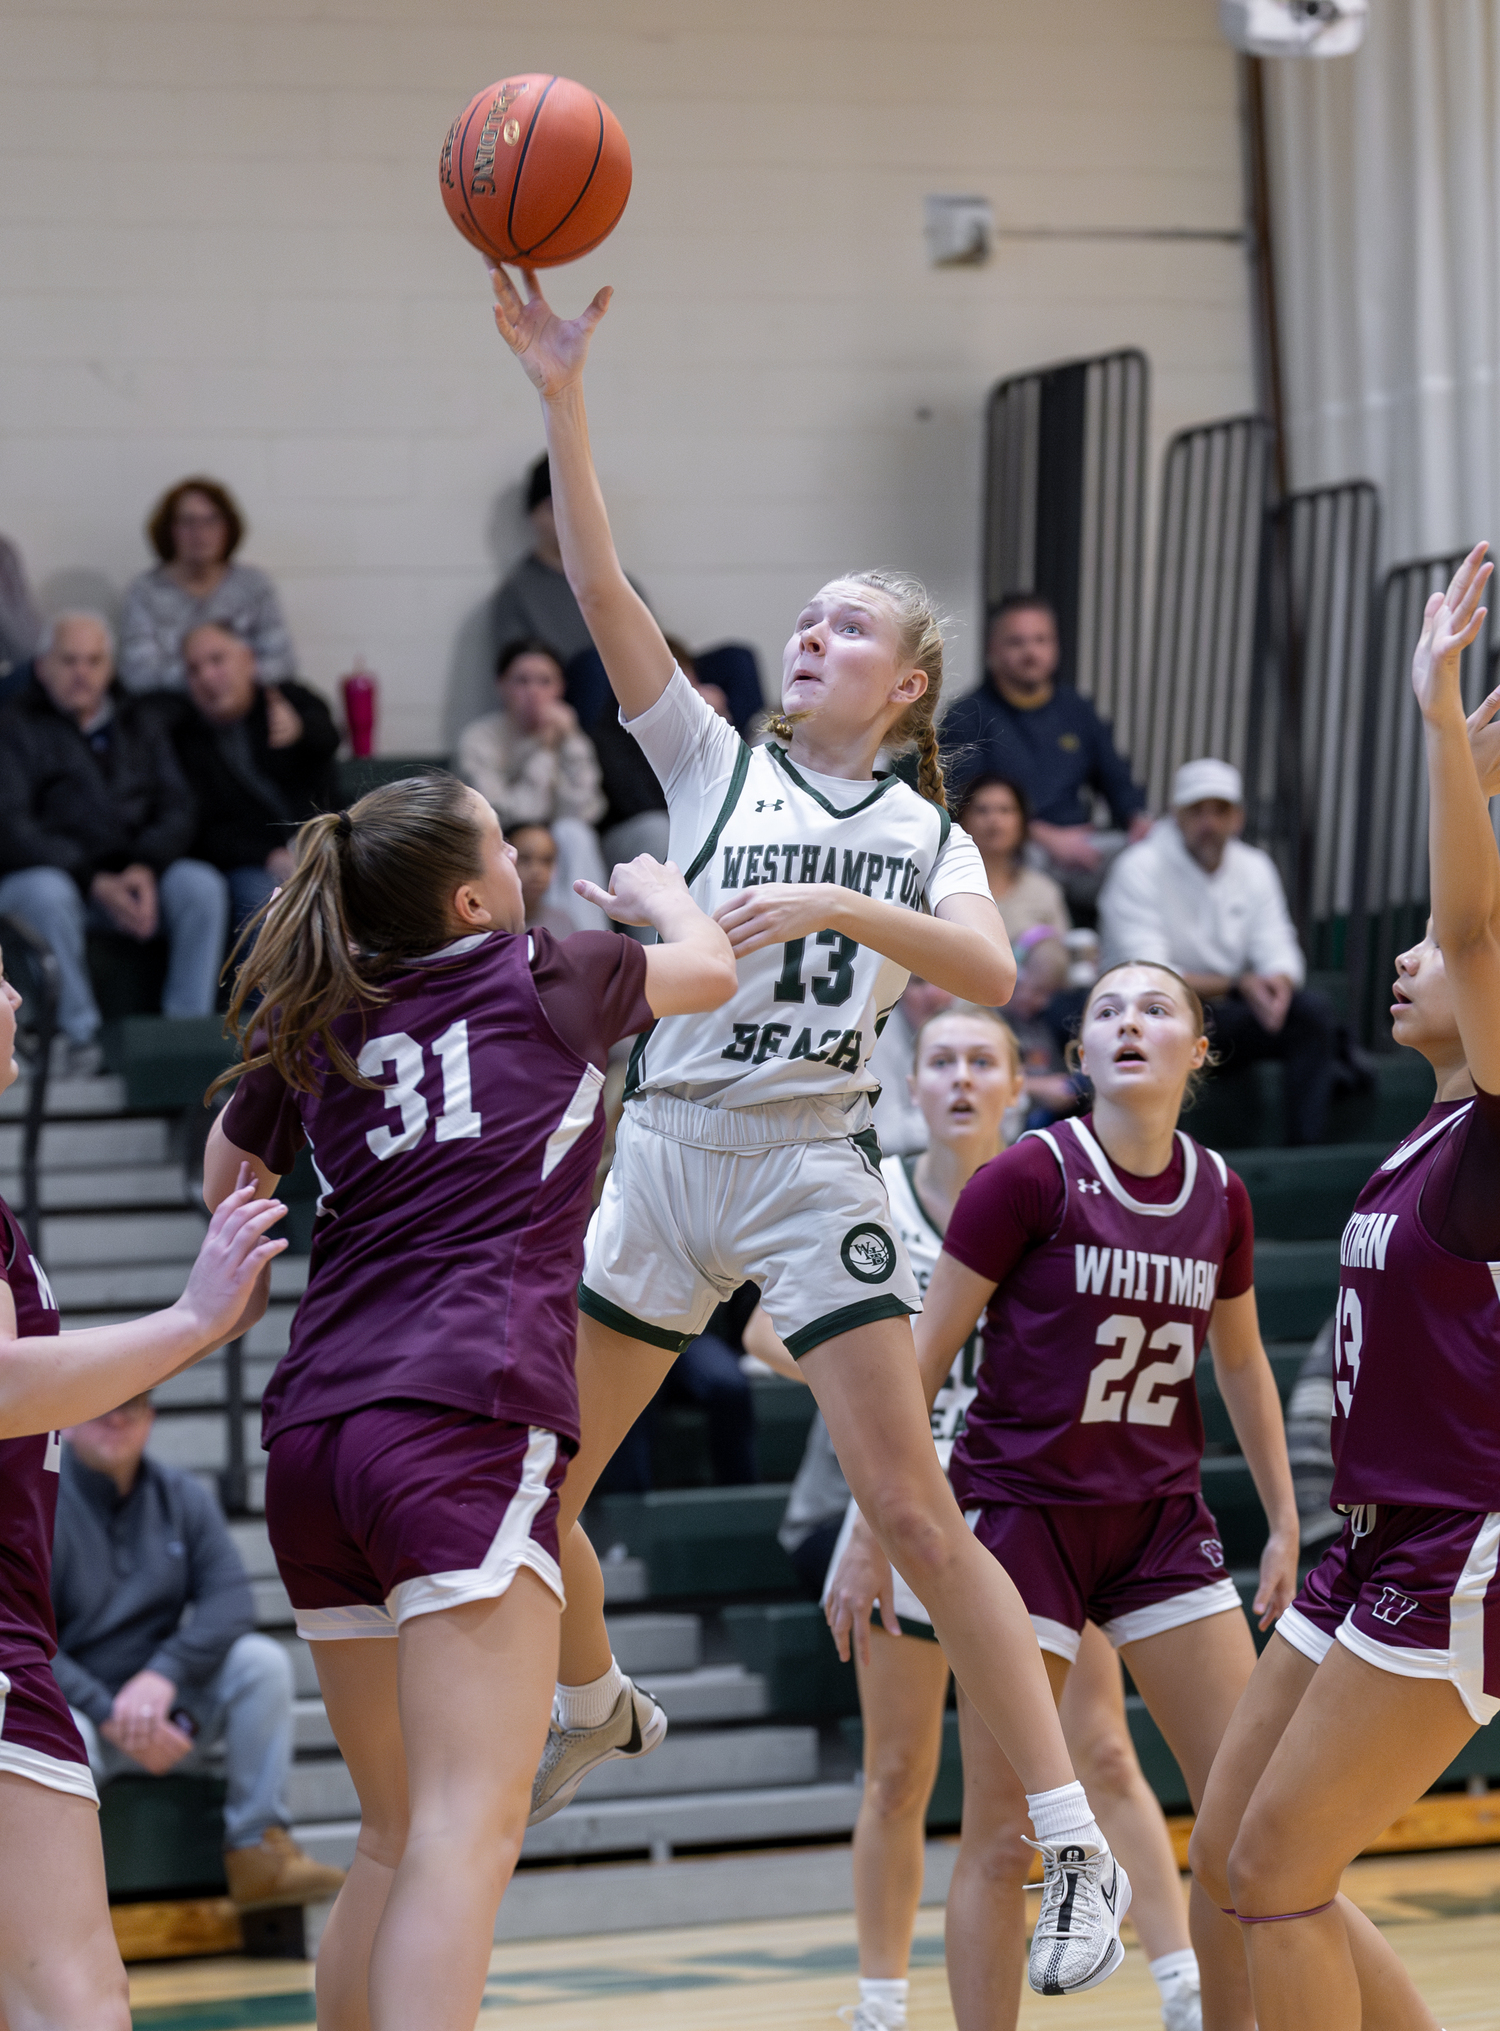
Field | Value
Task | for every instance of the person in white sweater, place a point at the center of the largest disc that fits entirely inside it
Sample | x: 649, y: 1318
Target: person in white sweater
x: 1195, y: 897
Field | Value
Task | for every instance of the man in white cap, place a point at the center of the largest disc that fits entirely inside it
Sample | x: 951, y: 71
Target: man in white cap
x: 1193, y: 895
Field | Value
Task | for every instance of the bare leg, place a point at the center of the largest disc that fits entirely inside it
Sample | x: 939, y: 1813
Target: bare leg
x: 358, y: 1683
x: 60, y: 1969
x: 1387, y: 1996
x: 867, y: 1389
x: 985, y: 1924
x: 1092, y: 1710
x: 1191, y: 1679
x: 901, y: 1696
x: 617, y: 1378
x: 1360, y: 1747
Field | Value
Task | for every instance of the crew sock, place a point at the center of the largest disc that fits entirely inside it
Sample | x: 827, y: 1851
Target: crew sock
x: 589, y: 1706
x: 1174, y: 1971
x: 1063, y: 1815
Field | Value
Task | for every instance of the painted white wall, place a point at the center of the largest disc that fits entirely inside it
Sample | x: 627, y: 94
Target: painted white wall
x: 222, y: 247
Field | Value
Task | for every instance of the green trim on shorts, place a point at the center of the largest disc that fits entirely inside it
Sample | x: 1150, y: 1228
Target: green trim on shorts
x: 864, y: 1313
x: 923, y: 1631
x: 622, y: 1322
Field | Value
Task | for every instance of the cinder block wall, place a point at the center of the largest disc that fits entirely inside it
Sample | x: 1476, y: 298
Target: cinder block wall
x: 222, y: 247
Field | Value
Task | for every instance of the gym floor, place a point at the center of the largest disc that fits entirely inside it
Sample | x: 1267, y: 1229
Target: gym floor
x: 1442, y: 1910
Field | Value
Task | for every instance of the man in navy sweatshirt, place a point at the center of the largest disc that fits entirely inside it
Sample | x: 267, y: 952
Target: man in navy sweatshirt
x: 1048, y: 740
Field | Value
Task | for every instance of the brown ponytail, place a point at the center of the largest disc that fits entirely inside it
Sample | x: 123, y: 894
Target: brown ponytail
x: 372, y: 889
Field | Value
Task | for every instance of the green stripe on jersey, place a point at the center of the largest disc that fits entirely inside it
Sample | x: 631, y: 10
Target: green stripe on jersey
x: 783, y: 761
x: 731, y: 797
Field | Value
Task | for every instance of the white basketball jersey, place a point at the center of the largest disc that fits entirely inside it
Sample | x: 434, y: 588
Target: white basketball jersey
x: 923, y: 1245
x: 804, y: 1018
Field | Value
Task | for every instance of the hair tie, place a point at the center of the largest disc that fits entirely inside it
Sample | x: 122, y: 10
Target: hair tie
x: 345, y: 826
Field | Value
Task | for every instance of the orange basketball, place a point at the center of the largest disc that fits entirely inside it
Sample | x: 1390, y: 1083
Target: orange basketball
x: 535, y: 169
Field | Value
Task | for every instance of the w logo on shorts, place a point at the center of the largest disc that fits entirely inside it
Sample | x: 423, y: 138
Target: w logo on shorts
x: 868, y: 1253
x: 1391, y: 1607
x: 1213, y: 1551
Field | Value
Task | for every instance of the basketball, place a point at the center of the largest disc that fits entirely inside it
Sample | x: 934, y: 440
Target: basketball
x: 535, y: 169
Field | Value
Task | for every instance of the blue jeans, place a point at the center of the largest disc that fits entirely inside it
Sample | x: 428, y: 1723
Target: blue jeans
x: 249, y: 887
x: 194, y: 900
x: 248, y: 1704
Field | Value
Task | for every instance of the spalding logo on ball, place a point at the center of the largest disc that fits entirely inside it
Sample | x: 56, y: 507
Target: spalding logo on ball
x: 535, y: 169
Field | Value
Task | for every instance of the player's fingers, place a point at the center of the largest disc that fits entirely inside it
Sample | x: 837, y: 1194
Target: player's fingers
x: 592, y: 893
x: 890, y: 1620
x: 1470, y: 630
x: 591, y: 316
x: 1485, y: 711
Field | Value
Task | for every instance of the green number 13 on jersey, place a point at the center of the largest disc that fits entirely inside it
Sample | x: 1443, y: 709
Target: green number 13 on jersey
x: 831, y: 988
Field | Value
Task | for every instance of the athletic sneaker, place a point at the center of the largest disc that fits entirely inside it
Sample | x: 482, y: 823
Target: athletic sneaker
x: 1085, y: 1894
x: 635, y: 1727
x: 1183, y: 2009
x: 869, y: 2016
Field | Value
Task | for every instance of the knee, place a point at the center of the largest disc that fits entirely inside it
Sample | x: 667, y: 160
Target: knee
x: 47, y: 893
x: 913, y: 1534
x: 1106, y: 1764
x: 1266, y: 1867
x: 258, y: 1667
x: 1208, y: 1859
x: 194, y: 885
x: 896, y: 1789
x: 995, y: 1849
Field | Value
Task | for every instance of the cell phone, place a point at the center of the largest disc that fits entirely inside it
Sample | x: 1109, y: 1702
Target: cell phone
x: 183, y: 1720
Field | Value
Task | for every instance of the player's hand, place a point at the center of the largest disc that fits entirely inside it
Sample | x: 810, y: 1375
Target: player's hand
x: 551, y: 349
x: 221, y: 1285
x: 1451, y: 621
x: 637, y: 889
x: 862, y: 1580
x: 777, y: 911
x: 1278, y: 1576
x: 1484, y: 743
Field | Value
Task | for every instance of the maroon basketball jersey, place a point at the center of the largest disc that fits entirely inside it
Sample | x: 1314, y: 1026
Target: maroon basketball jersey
x: 28, y: 1475
x: 1086, y: 1390
x: 449, y: 1243
x: 1416, y: 1413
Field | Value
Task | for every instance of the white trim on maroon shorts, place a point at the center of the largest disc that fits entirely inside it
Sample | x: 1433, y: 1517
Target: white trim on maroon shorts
x: 1057, y: 1637
x: 353, y: 1622
x: 1462, y: 1663
x: 511, y: 1548
x: 1116, y: 1190
x: 56, y: 1773
x: 1175, y: 1613
x: 1304, y: 1635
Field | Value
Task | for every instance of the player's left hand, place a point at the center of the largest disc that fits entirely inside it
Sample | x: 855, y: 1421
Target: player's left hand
x: 776, y: 912
x: 862, y: 1581
x: 1278, y: 1576
x: 1452, y: 620
x: 635, y: 889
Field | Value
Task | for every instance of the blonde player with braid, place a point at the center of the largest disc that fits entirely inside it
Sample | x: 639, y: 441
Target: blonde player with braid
x: 745, y: 1149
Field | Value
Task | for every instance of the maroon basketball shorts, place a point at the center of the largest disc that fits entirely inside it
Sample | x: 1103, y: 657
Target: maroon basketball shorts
x: 407, y: 1508
x: 1414, y: 1593
x: 1134, y: 1568
x: 38, y: 1736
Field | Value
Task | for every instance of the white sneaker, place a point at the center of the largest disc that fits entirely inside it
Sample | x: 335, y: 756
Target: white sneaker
x: 1183, y: 2009
x: 1085, y: 1895
x: 873, y: 2017
x: 635, y: 1727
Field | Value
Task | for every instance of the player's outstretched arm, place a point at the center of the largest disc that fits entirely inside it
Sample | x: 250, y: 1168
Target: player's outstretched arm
x: 67, y: 1378
x: 692, y: 969
x: 951, y: 1306
x: 1462, y: 855
x: 1250, y: 1396
x: 962, y: 946
x: 552, y: 351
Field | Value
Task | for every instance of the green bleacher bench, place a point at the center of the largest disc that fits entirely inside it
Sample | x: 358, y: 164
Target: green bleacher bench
x: 163, y: 1836
x: 783, y: 1412
x: 1286, y: 1364
x: 1296, y: 1286
x: 167, y: 1062
x: 1305, y: 1194
x: 357, y: 777
x: 699, y: 1541
x: 788, y: 1643
x: 1243, y: 1110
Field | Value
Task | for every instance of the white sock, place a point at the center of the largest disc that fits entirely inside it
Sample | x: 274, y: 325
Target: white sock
x: 889, y: 1997
x: 589, y: 1706
x: 1173, y: 1971
x: 1063, y: 1814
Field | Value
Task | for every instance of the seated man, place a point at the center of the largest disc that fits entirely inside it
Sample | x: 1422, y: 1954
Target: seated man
x: 533, y: 764
x: 157, y: 1651
x: 1022, y: 725
x: 96, y: 823
x: 1196, y: 897
x: 259, y: 758
x: 635, y: 818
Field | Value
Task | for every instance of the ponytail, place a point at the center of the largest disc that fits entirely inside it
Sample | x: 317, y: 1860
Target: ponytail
x: 372, y: 889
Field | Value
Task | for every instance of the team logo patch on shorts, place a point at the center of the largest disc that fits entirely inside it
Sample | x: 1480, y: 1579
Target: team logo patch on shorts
x: 1213, y: 1551
x: 1393, y: 1607
x: 869, y: 1253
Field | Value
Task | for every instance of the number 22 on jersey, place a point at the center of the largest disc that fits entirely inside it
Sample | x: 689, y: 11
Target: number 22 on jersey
x: 1105, y: 1403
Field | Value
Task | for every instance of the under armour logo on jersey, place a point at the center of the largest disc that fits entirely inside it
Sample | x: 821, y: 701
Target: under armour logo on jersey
x: 1090, y: 1185
x: 763, y: 804
x: 1213, y: 1551
x: 1392, y: 1607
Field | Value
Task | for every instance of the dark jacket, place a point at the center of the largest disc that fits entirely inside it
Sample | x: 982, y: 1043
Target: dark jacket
x: 125, y: 1573
x: 1055, y: 752
x: 90, y: 806
x: 630, y: 783
x: 251, y: 796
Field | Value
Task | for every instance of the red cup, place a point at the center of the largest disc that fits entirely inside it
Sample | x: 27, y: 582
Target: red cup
x: 361, y: 690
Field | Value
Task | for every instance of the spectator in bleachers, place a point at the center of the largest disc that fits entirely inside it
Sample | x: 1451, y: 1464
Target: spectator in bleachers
x: 532, y: 763
x: 536, y: 868
x: 1043, y: 1014
x: 1196, y: 897
x: 158, y: 1655
x: 534, y: 601
x: 635, y: 817
x: 259, y: 759
x: 96, y: 828
x: 20, y: 623
x: 1021, y: 724
x: 994, y: 813
x: 195, y: 529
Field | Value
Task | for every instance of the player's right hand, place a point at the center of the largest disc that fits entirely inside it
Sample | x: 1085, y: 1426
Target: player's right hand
x: 637, y: 889
x: 236, y: 1249
x: 551, y: 349
x: 862, y: 1579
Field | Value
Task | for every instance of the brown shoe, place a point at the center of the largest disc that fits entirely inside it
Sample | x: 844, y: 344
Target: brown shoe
x: 277, y: 1872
